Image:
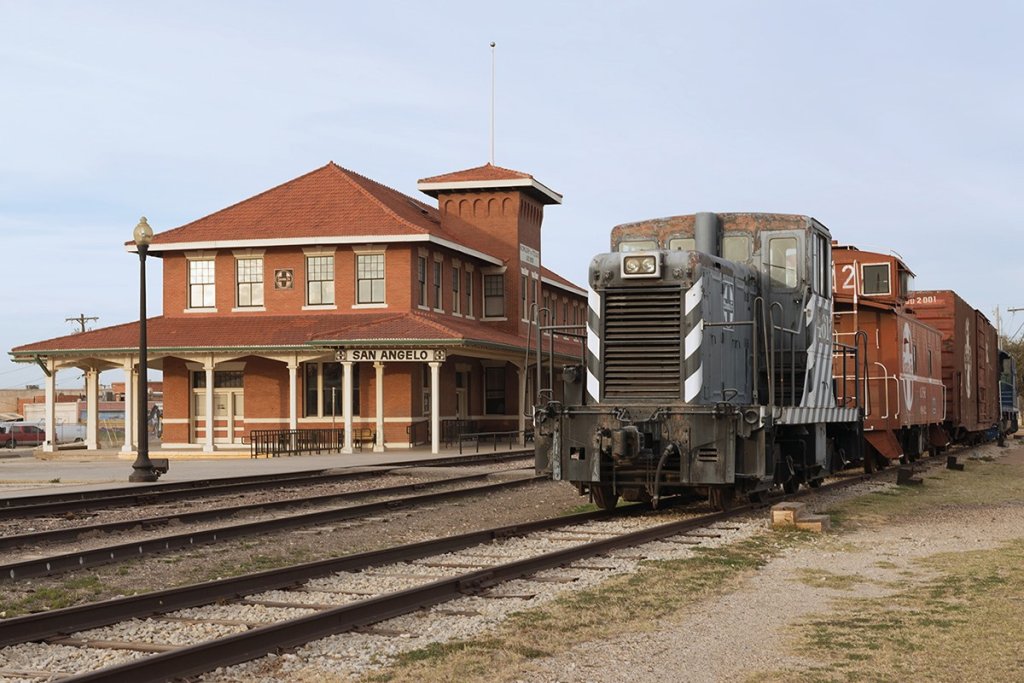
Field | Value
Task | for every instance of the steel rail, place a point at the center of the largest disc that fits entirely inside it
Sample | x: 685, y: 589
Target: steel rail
x: 197, y: 659
x: 42, y: 625
x: 147, y: 523
x: 36, y: 506
x: 54, y: 564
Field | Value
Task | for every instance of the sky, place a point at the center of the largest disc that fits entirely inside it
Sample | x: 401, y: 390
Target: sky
x: 896, y: 124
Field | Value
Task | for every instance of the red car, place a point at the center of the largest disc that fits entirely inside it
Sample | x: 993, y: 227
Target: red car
x: 14, y: 434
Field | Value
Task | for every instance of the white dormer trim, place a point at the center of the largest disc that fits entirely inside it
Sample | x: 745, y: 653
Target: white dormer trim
x: 428, y: 188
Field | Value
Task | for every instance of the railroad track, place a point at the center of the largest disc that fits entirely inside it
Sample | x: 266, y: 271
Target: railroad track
x: 107, y: 554
x: 321, y: 598
x: 166, y: 635
x: 147, y: 494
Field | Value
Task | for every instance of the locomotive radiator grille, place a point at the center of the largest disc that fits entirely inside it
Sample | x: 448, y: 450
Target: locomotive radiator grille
x: 643, y: 342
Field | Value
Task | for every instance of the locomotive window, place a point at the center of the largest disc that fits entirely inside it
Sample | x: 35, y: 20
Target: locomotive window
x: 736, y: 247
x: 682, y: 244
x: 875, y: 279
x: 906, y: 282
x: 782, y: 261
x: 637, y: 245
x: 823, y: 266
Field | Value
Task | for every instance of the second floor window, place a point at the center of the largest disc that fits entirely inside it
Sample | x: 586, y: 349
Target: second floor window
x: 201, y: 287
x: 249, y: 273
x: 421, y: 280
x: 469, y: 294
x: 437, y: 285
x: 370, y: 278
x: 494, y: 296
x: 320, y: 280
x: 456, y: 302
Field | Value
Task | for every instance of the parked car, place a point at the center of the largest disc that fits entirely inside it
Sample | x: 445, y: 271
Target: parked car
x: 14, y: 434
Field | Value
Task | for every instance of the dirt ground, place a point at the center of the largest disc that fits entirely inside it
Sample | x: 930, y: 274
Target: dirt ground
x: 859, y: 603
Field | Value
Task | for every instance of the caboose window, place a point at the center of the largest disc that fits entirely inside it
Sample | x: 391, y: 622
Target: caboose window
x: 736, y: 247
x: 682, y: 244
x: 782, y: 261
x: 637, y: 245
x: 875, y: 279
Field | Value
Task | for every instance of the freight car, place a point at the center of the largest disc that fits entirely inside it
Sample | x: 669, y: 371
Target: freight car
x: 708, y: 364
x: 904, y: 398
x: 970, y: 364
x: 1009, y: 413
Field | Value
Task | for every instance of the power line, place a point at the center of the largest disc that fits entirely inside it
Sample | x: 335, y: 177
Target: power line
x: 82, y: 319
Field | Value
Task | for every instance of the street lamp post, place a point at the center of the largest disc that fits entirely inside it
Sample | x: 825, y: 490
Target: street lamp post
x: 142, y: 468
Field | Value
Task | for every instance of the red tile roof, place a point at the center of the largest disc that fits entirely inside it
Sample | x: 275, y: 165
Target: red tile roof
x: 244, y: 332
x: 555, y: 277
x: 328, y: 202
x: 485, y: 172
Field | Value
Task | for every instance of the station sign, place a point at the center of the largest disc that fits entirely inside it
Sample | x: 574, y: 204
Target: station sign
x: 392, y: 355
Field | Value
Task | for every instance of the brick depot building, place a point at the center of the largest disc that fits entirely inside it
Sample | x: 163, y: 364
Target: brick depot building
x: 334, y: 301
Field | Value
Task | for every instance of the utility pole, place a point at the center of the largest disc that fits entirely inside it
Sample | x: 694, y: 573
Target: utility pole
x: 82, y: 319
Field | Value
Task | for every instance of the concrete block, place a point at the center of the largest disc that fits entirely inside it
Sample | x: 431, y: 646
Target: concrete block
x: 815, y: 523
x: 786, y: 514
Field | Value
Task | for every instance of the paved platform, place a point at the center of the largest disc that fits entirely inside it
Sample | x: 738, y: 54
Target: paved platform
x: 70, y: 470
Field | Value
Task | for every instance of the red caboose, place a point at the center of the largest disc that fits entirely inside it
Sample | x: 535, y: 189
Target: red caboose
x: 902, y: 395
x: 969, y: 362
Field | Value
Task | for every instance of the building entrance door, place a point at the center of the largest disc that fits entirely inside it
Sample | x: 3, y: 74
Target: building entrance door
x: 229, y: 416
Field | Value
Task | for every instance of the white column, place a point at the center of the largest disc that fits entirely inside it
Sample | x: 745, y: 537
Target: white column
x: 129, y: 415
x: 521, y: 370
x: 435, y: 408
x: 50, y: 444
x: 378, y: 447
x: 346, y: 403
x: 92, y: 422
x: 293, y: 395
x: 208, y: 444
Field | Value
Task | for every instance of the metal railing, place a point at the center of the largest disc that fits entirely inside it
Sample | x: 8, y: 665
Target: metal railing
x: 278, y: 442
x: 510, y: 438
x: 419, y: 432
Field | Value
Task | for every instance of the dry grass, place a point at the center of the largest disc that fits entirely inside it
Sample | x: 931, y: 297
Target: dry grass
x: 954, y: 617
x: 962, y: 625
x: 629, y: 603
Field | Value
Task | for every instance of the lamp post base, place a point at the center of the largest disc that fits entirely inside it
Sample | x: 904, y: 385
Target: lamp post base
x: 143, y: 474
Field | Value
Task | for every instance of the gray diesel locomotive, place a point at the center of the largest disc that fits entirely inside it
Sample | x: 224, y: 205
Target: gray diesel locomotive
x: 708, y: 365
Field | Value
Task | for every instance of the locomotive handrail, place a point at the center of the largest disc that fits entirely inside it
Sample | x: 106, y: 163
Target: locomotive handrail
x: 792, y: 352
x: 885, y: 388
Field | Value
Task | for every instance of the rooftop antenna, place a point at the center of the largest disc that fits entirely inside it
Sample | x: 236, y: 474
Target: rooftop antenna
x: 493, y: 44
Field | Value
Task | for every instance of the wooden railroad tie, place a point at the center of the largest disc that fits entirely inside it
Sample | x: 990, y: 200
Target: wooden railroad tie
x: 952, y: 464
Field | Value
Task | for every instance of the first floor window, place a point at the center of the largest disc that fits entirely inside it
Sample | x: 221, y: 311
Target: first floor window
x: 249, y: 276
x: 323, y: 387
x: 319, y: 280
x: 201, y: 285
x: 370, y: 278
x: 494, y: 296
x: 222, y: 379
x: 494, y: 392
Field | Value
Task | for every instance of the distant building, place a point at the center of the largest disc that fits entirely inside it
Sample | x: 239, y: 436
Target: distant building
x: 332, y: 300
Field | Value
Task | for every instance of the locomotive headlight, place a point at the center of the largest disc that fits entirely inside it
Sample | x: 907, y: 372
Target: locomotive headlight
x: 641, y: 265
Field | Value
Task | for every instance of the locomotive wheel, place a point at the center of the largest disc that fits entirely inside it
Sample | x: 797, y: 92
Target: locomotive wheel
x: 721, y: 497
x: 604, y: 496
x: 791, y: 485
x: 815, y: 483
